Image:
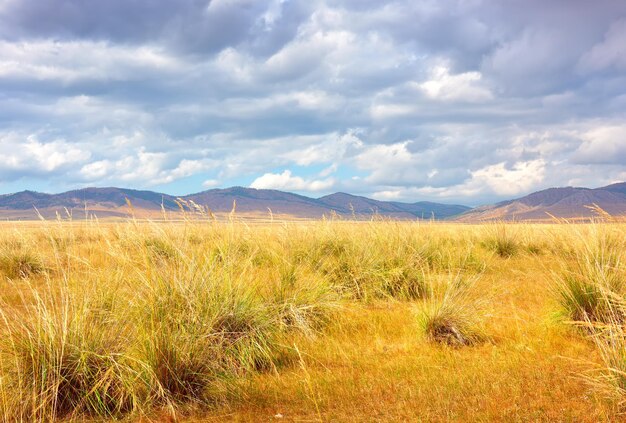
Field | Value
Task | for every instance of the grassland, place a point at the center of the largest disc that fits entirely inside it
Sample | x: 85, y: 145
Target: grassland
x: 309, y: 321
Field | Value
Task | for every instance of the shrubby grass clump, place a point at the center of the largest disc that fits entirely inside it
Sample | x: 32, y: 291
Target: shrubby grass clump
x: 502, y: 240
x: 591, y: 292
x: 20, y: 264
x: 197, y: 330
x: 160, y: 249
x: 304, y: 303
x: 385, y: 261
x: 610, y: 341
x: 62, y: 360
x: 455, y: 316
x: 593, y: 280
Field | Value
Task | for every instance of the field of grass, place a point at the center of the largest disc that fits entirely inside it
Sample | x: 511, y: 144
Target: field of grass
x: 312, y: 321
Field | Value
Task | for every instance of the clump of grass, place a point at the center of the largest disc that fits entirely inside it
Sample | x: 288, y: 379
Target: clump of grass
x: 304, y: 304
x: 160, y: 249
x: 591, y: 292
x: 534, y: 249
x: 347, y: 269
x: 199, y: 330
x: 502, y: 241
x: 403, y: 282
x: 179, y: 369
x: 20, y: 264
x: 609, y: 338
x: 63, y: 362
x: 593, y: 281
x: 456, y: 317
x: 584, y: 297
x: 373, y: 268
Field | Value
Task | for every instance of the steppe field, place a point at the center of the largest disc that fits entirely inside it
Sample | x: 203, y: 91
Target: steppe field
x: 200, y: 320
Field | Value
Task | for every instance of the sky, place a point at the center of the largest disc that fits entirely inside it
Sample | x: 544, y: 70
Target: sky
x: 454, y: 101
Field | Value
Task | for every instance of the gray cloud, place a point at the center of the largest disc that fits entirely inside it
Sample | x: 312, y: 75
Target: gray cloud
x: 459, y: 101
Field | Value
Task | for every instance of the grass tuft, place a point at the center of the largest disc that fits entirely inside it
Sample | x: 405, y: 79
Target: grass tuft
x: 199, y: 330
x: 20, y: 264
x: 502, y: 241
x: 456, y: 317
x: 65, y: 362
x: 593, y: 281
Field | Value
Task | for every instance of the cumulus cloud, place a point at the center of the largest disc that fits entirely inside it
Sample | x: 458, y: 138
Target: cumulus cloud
x: 518, y: 178
x: 22, y: 156
x: 287, y: 181
x: 144, y: 166
x: 463, y: 101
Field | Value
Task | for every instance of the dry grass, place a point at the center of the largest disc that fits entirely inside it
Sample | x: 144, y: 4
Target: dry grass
x: 311, y: 320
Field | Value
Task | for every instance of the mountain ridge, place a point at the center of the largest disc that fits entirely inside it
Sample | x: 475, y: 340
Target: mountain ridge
x: 562, y: 202
x: 112, y: 202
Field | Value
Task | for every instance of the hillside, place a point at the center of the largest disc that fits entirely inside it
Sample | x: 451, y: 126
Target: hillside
x: 567, y: 202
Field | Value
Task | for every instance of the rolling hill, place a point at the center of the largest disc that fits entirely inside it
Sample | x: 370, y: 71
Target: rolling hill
x: 112, y: 202
x: 568, y: 202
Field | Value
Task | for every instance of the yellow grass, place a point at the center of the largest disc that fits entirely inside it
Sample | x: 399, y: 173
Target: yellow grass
x: 308, y: 321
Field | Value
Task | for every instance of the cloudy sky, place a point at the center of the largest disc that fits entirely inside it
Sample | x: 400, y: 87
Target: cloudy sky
x: 464, y: 101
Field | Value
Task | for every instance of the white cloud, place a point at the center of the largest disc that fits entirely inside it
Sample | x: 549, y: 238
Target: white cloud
x: 145, y: 168
x: 603, y: 144
x: 503, y: 180
x: 301, y: 56
x: 287, y: 181
x: 464, y: 87
x: 210, y: 183
x: 322, y: 149
x: 236, y: 65
x: 389, y: 195
x: 387, y: 111
x: 96, y: 170
x: 28, y: 154
x: 329, y: 170
x: 384, y: 156
x: 389, y: 164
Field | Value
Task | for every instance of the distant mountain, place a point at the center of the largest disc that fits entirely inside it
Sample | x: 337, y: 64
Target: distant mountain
x: 568, y: 202
x: 250, y: 200
x: 103, y: 202
x: 108, y: 197
x: 347, y: 203
x: 112, y: 202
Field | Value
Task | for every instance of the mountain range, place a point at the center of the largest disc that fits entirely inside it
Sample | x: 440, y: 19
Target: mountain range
x: 567, y: 202
x: 113, y: 202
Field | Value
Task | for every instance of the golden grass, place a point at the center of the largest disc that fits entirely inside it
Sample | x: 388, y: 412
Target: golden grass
x: 331, y: 320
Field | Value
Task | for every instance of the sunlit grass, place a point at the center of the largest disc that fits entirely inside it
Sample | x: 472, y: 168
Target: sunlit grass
x: 338, y: 319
